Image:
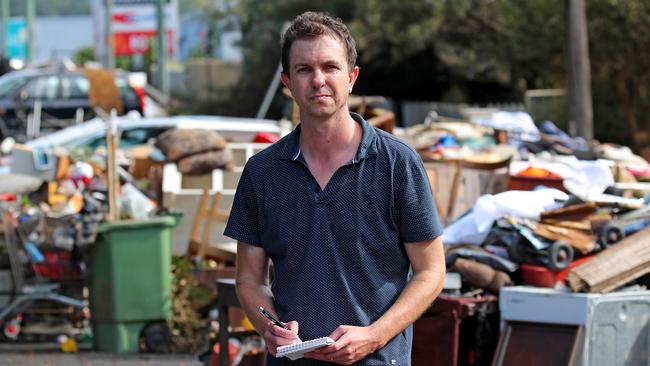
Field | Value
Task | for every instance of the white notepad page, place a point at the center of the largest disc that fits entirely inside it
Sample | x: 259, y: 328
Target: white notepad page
x: 297, y: 350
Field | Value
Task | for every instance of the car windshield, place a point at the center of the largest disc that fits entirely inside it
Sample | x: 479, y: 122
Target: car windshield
x: 10, y: 83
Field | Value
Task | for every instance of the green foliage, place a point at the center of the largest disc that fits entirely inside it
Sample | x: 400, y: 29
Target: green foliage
x: 476, y: 51
x: 83, y: 55
x: 123, y: 62
x: 619, y: 35
x: 189, y: 333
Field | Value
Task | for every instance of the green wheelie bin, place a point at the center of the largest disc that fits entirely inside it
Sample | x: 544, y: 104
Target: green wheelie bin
x: 130, y: 285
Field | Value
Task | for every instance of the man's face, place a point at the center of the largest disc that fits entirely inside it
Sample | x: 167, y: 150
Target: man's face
x: 319, y: 79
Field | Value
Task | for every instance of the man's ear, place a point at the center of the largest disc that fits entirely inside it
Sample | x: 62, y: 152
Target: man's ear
x: 285, y: 80
x: 353, y: 75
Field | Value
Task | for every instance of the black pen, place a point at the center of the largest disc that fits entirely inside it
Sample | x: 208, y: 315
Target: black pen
x: 272, y: 319
x: 280, y: 324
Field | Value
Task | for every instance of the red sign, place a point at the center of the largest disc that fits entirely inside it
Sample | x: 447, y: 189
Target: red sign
x: 133, y: 43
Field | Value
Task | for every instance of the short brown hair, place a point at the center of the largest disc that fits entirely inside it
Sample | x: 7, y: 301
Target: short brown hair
x: 311, y: 24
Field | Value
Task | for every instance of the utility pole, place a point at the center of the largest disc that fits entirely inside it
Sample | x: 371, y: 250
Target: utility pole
x: 579, y: 67
x: 162, y: 51
x: 109, y: 56
x: 30, y: 10
x: 4, y: 9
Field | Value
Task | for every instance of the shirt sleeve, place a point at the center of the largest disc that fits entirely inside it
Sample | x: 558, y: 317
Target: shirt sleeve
x: 244, y: 216
x: 417, y: 217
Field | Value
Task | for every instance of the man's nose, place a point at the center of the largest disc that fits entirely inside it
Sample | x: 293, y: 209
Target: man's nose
x: 318, y: 79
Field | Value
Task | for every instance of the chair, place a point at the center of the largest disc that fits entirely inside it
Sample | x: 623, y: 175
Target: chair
x: 457, y: 168
x: 200, y: 238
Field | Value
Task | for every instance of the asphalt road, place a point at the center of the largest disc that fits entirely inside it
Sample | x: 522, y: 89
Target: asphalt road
x: 92, y: 359
x: 12, y: 354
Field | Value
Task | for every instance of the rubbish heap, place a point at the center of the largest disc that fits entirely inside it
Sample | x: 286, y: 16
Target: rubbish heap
x: 569, y: 204
x: 53, y: 203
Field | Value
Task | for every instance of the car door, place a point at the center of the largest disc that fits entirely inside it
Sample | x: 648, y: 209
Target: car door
x: 42, y: 90
x: 74, y: 100
x: 45, y: 90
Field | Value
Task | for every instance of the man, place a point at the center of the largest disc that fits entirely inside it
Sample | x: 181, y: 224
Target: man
x: 343, y: 210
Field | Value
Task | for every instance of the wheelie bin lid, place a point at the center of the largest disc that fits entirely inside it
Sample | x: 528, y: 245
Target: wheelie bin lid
x: 164, y: 221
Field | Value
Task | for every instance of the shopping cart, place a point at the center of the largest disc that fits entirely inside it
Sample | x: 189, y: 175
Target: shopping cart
x: 36, y: 307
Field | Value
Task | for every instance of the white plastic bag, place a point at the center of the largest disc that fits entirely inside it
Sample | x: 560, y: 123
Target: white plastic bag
x: 135, y: 204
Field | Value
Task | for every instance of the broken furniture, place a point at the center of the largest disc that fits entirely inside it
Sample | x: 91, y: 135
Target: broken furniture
x: 182, y: 192
x: 200, y: 244
x: 474, y: 178
x: 456, y: 331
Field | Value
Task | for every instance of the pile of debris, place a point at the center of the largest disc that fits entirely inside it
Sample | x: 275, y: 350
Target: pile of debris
x: 56, y: 198
x: 570, y: 207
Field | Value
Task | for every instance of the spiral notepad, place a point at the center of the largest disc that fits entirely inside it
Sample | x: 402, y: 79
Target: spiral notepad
x: 297, y: 350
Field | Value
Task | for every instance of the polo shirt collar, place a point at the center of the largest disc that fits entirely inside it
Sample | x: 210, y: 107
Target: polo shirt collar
x: 367, y: 147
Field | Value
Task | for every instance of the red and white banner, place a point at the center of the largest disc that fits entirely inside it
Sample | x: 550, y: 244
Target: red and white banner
x: 134, y: 25
x: 133, y: 43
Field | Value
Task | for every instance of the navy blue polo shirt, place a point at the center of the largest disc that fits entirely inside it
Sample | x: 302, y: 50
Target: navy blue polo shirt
x: 338, y: 253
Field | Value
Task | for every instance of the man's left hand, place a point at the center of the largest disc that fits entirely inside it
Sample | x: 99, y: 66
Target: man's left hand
x: 351, y: 344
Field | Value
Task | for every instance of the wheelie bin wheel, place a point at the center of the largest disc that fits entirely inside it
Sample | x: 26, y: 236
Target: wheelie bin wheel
x: 156, y: 337
x: 560, y: 255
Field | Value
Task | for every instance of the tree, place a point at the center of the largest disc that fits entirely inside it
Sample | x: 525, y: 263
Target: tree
x: 619, y: 37
x: 475, y: 51
x: 84, y: 54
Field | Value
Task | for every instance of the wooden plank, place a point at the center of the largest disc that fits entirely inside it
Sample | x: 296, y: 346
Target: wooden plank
x: 384, y: 121
x: 431, y: 174
x: 615, y: 266
x: 455, y: 186
x: 582, y: 241
x: 577, y: 225
x: 111, y: 172
x: 207, y: 225
x: 573, y: 212
x: 198, y: 220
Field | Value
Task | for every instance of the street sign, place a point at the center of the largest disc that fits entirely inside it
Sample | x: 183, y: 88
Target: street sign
x: 17, y: 38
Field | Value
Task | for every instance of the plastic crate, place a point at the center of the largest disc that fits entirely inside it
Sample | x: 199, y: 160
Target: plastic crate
x: 545, y: 277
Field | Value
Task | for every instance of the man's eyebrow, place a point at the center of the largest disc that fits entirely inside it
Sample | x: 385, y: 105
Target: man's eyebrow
x: 324, y: 62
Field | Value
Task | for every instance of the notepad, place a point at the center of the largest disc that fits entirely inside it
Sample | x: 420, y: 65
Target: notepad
x: 297, y: 350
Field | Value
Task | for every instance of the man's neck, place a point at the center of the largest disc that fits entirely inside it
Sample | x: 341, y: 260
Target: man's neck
x: 328, y: 139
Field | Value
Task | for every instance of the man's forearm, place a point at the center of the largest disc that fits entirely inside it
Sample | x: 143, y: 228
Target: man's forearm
x: 417, y: 296
x: 252, y: 296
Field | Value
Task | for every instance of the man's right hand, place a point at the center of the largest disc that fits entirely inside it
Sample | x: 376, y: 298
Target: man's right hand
x: 275, y: 336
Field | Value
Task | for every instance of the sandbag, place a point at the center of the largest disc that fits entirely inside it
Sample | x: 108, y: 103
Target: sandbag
x: 206, y: 162
x: 177, y: 144
x: 481, y: 275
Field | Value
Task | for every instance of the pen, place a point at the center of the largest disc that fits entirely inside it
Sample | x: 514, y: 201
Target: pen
x: 274, y: 320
